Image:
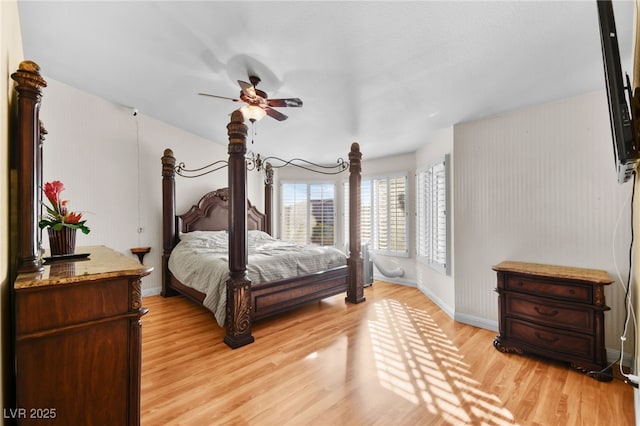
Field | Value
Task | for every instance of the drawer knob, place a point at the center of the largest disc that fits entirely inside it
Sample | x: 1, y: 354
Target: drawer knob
x: 546, y: 339
x: 546, y: 314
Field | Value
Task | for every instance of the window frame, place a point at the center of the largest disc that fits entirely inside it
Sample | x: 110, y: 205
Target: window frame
x: 428, y: 223
x: 309, y: 207
x: 374, y: 248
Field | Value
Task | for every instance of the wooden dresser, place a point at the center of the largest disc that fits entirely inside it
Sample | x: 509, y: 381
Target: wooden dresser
x: 77, y: 341
x: 555, y: 312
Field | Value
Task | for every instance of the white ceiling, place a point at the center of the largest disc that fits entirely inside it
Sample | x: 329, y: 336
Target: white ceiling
x: 387, y: 74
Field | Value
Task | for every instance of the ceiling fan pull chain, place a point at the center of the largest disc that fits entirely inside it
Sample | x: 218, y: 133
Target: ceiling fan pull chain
x: 253, y: 130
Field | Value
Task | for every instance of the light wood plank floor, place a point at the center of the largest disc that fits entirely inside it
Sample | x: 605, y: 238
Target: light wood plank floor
x: 395, y: 359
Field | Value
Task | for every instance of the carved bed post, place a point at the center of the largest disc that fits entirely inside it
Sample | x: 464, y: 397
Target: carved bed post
x: 355, y: 291
x: 238, y: 311
x: 268, y: 198
x: 29, y: 87
x: 169, y: 231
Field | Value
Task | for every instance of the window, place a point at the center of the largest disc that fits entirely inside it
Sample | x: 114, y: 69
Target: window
x: 308, y: 213
x: 432, y: 222
x: 383, y: 214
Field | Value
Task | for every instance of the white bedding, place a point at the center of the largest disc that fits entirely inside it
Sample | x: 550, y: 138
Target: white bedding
x: 200, y: 260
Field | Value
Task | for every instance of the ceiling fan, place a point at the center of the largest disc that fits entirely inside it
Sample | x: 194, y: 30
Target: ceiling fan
x: 258, y: 102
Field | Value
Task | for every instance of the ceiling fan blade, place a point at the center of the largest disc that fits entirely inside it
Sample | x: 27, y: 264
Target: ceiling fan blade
x: 289, y: 102
x: 247, y: 88
x: 275, y: 114
x: 219, y: 97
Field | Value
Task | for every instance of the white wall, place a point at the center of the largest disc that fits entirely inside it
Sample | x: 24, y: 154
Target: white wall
x: 538, y: 185
x: 109, y: 161
x: 439, y: 287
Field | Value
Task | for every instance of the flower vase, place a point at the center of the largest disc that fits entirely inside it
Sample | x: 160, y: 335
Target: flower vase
x: 62, y: 242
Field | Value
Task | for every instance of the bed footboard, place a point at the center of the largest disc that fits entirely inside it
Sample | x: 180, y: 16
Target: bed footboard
x: 279, y: 296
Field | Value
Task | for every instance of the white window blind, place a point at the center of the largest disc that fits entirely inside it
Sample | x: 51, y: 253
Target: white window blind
x: 432, y: 223
x: 308, y: 213
x: 383, y: 214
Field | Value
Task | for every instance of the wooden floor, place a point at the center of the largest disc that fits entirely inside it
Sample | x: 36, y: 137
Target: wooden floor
x: 395, y: 359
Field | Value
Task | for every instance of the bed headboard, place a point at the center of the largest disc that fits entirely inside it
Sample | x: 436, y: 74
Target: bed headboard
x: 212, y: 214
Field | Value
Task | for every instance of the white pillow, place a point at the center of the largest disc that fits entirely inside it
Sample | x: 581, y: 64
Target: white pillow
x: 203, y: 235
x: 255, y: 236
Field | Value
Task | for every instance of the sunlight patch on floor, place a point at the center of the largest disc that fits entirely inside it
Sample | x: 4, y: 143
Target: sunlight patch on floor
x: 415, y: 360
x: 312, y: 355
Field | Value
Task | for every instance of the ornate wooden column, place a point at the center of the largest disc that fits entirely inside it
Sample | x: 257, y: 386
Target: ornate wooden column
x: 169, y: 231
x: 238, y: 312
x: 355, y: 291
x: 268, y: 198
x: 27, y: 147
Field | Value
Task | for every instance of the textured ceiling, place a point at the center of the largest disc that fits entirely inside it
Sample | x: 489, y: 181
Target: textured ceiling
x: 387, y: 74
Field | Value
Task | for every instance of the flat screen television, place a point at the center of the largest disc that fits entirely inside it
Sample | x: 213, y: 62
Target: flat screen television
x: 625, y: 149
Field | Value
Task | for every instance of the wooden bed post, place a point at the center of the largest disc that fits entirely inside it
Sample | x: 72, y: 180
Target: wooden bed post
x: 28, y: 168
x: 169, y: 231
x: 268, y: 198
x: 238, y: 310
x: 355, y: 290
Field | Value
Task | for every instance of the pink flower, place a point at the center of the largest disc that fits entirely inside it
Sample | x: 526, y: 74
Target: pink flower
x: 58, y: 216
x: 52, y: 191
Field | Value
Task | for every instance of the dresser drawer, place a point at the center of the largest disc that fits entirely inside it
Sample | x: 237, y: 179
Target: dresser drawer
x: 553, y: 289
x: 574, y: 344
x: 549, y: 313
x: 47, y: 307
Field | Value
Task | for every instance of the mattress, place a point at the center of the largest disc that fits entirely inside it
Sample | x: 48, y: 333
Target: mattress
x: 201, y: 261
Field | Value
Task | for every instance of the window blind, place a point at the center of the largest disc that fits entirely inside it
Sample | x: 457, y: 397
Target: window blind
x: 432, y: 227
x: 322, y: 214
x: 383, y: 214
x: 308, y: 213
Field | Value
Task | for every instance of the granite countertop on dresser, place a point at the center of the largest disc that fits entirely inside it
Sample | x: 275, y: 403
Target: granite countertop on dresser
x: 102, y: 263
x: 596, y: 276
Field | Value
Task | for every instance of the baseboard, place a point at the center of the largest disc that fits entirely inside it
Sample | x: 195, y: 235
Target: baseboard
x: 151, y: 291
x: 476, y: 321
x: 613, y: 355
x: 394, y: 280
x: 445, y: 308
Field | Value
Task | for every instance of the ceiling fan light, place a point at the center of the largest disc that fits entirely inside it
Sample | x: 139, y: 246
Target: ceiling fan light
x: 252, y: 113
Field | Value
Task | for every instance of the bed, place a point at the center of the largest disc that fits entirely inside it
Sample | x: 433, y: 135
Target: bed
x: 226, y: 213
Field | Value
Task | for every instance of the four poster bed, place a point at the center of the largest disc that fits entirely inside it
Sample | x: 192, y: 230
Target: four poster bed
x: 226, y: 216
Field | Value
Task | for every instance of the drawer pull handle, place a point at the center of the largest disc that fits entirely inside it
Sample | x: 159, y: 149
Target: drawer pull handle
x: 546, y: 314
x: 551, y: 340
